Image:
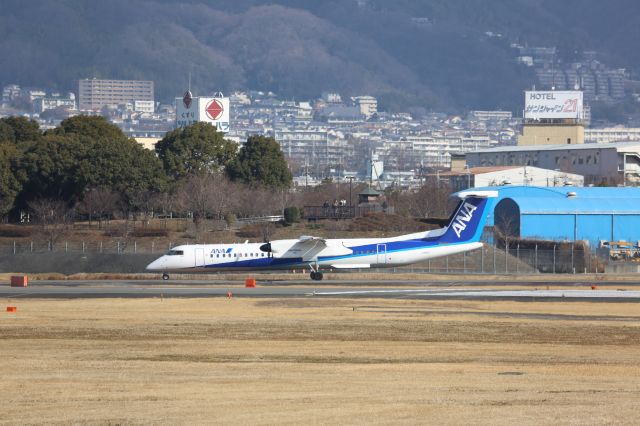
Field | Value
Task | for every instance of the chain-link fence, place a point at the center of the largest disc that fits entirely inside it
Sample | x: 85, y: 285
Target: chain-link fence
x: 491, y: 259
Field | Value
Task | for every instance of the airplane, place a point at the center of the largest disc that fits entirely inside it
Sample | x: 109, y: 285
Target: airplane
x: 462, y: 234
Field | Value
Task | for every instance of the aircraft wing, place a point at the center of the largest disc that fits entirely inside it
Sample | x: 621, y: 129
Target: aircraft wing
x: 308, y: 248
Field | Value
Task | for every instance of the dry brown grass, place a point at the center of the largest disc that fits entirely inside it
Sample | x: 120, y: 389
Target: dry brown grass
x: 298, y: 361
x: 370, y: 277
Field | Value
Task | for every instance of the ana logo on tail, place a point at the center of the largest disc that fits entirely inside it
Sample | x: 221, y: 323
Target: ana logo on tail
x: 463, y: 217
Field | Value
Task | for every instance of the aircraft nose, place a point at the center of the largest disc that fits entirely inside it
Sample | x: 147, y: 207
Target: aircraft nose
x: 156, y: 264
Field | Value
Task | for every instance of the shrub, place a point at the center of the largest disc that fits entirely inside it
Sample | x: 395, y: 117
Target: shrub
x: 291, y: 215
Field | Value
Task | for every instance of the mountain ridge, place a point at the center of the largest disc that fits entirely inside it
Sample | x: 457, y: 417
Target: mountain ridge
x: 301, y: 48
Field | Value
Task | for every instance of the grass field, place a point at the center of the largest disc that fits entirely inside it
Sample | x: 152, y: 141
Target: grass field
x: 317, y: 361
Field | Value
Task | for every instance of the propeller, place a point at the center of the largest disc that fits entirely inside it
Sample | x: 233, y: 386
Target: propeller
x: 266, y: 247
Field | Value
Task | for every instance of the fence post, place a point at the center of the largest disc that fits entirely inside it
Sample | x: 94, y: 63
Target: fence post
x: 100, y: 246
x: 573, y: 265
x: 118, y: 247
x: 31, y: 246
x: 537, y: 259
x: 494, y: 257
x: 464, y: 262
x: 518, y: 258
x: 152, y: 243
x: 66, y: 246
x: 506, y: 256
x: 447, y: 263
x: 429, y: 266
x: 482, y: 260
x: 14, y: 246
x: 554, y: 258
x: 83, y: 246
x: 135, y: 247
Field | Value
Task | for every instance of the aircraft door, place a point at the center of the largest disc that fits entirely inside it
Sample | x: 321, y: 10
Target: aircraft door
x: 199, y: 257
x: 382, y: 254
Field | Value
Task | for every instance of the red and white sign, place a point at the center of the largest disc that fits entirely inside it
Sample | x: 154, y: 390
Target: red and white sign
x: 214, y: 109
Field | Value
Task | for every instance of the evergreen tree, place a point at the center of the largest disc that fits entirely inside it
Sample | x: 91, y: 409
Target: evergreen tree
x: 196, y: 149
x: 261, y: 161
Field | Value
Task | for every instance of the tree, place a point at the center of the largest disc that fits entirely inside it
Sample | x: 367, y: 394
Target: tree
x: 260, y: 161
x: 88, y: 152
x: 10, y: 186
x: 206, y: 195
x: 55, y: 216
x: 50, y: 169
x: 99, y: 203
x: 18, y: 130
x: 93, y: 128
x: 196, y: 149
x: 125, y: 167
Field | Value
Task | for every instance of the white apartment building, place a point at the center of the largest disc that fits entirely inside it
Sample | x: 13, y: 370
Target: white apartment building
x: 94, y: 94
x: 611, y: 134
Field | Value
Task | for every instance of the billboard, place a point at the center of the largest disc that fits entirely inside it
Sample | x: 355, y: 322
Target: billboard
x: 552, y: 104
x: 214, y: 111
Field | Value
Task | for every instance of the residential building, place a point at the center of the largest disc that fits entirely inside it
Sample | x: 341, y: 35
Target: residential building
x: 94, y: 94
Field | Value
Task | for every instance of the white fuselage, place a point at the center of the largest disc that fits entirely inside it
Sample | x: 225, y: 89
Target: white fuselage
x: 292, y: 254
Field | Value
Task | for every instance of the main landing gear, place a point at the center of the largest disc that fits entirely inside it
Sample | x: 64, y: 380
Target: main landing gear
x: 165, y: 276
x: 316, y: 276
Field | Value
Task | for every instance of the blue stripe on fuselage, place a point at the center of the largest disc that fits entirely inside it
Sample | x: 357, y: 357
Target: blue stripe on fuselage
x: 391, y: 247
x: 261, y: 262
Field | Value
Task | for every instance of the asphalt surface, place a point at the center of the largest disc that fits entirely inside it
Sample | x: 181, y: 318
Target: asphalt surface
x: 328, y: 289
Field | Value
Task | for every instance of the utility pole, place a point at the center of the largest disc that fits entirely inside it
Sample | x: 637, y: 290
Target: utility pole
x: 350, y: 184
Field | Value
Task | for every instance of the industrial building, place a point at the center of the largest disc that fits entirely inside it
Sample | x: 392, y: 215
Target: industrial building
x: 94, y: 94
x: 610, y: 164
x: 567, y: 213
x: 473, y: 177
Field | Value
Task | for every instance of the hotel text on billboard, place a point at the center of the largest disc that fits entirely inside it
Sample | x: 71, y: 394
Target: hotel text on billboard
x: 552, y: 104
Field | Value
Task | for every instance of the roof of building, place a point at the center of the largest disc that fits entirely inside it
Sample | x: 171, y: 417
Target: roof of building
x: 571, y: 199
x: 477, y: 170
x: 490, y: 169
x: 620, y: 146
x: 369, y: 191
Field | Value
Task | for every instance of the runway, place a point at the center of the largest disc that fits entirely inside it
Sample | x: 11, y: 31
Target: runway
x: 329, y: 289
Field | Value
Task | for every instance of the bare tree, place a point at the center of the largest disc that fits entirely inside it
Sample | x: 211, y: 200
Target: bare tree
x: 430, y: 200
x: 99, y: 203
x: 54, y: 216
x: 205, y: 196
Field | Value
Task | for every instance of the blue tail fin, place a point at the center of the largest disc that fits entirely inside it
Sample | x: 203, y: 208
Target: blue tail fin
x: 468, y: 222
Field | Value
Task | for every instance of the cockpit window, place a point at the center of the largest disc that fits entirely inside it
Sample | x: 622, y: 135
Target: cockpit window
x: 175, y: 253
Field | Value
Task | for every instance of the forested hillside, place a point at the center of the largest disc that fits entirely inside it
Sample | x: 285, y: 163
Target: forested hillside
x: 430, y: 53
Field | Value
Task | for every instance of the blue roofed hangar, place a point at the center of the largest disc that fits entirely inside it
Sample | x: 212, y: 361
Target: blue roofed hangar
x: 566, y: 213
